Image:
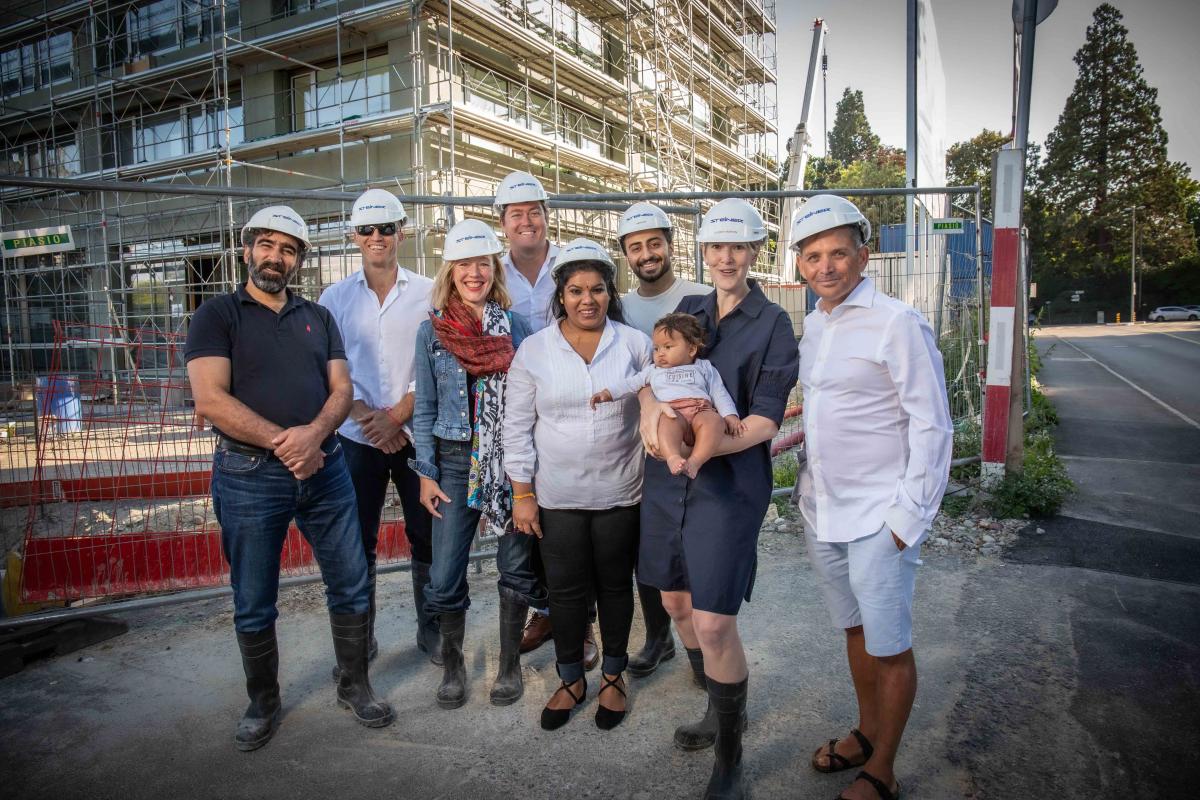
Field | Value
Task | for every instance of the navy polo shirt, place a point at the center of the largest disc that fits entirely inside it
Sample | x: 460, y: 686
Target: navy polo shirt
x: 279, y: 361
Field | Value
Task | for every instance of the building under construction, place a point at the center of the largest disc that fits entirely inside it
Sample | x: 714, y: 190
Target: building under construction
x: 422, y: 97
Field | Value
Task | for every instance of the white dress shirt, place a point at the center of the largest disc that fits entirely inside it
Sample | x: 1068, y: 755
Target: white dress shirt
x: 380, y: 338
x: 643, y: 312
x: 876, y: 419
x: 575, y: 456
x: 532, y: 301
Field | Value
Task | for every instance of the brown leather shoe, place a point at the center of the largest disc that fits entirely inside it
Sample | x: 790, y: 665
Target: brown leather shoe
x: 591, y: 653
x: 537, y: 632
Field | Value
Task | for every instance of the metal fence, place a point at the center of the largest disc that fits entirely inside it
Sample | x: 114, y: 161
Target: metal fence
x: 110, y: 496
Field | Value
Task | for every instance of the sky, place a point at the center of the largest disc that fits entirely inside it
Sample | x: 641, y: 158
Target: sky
x: 866, y: 47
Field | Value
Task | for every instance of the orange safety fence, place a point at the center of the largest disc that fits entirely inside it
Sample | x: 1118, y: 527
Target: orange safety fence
x: 119, y: 498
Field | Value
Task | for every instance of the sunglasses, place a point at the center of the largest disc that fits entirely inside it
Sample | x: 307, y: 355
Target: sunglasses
x: 386, y: 229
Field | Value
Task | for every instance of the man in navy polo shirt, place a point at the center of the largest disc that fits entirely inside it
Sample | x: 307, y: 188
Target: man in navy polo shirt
x: 268, y: 368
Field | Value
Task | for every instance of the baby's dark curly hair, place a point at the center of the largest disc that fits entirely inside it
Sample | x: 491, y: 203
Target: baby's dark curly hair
x: 687, y: 326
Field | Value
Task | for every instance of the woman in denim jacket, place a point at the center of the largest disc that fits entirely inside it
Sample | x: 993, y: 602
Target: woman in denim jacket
x: 463, y: 353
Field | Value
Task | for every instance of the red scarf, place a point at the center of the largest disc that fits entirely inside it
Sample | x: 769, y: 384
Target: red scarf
x: 461, y: 332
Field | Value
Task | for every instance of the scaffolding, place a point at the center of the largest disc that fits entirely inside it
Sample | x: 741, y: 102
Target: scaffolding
x: 425, y: 97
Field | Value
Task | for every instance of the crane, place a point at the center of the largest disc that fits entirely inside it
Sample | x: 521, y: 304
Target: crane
x: 799, y: 147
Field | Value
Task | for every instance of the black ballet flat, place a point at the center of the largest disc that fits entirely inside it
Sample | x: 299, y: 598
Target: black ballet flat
x: 555, y: 718
x: 606, y: 718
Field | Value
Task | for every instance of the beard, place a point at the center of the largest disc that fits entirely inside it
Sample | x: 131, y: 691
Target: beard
x: 271, y: 284
x: 644, y: 269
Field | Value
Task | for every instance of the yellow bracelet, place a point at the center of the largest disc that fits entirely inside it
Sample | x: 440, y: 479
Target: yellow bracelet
x: 523, y: 496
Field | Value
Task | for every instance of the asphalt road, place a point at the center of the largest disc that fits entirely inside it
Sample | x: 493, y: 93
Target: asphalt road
x: 1128, y: 401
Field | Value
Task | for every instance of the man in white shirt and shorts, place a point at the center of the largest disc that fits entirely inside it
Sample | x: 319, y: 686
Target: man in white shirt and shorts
x: 878, y: 435
x: 646, y: 236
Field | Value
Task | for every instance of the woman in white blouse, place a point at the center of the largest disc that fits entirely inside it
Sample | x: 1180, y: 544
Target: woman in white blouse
x: 577, y: 472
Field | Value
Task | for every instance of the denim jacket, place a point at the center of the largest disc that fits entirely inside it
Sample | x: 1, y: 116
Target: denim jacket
x: 441, y: 402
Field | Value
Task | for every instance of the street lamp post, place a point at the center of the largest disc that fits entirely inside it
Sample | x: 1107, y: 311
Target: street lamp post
x: 1133, y: 265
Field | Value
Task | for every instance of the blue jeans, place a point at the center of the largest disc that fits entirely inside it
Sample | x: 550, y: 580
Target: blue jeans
x: 255, y: 499
x: 452, y: 536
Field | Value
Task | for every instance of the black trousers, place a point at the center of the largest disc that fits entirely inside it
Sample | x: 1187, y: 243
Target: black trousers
x: 590, y: 553
x: 370, y: 471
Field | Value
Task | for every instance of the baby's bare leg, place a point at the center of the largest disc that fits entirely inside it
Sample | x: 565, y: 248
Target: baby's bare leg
x: 708, y: 429
x: 670, y: 441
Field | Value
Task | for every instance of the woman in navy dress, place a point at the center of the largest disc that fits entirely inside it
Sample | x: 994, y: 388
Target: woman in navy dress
x: 700, y: 536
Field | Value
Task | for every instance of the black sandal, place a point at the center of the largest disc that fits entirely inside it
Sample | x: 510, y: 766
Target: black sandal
x: 880, y: 787
x: 606, y: 718
x: 555, y: 718
x: 837, y: 761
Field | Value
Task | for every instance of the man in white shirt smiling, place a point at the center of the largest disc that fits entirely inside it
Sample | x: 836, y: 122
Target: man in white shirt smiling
x: 521, y: 203
x: 646, y: 236
x: 878, y: 433
x: 378, y: 310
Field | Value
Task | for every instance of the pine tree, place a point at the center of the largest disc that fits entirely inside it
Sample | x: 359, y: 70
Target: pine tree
x: 1107, y: 154
x: 851, y: 138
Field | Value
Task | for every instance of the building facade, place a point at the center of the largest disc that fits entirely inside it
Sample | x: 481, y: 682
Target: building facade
x: 422, y: 97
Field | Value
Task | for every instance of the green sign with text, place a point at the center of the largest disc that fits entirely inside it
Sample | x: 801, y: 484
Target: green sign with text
x: 38, y: 241
x: 948, y: 225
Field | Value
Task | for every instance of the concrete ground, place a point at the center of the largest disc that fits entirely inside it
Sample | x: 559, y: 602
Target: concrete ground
x: 1067, y: 667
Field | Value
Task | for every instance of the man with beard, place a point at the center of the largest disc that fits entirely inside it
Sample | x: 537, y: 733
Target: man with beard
x: 645, y: 234
x: 378, y: 310
x: 268, y: 368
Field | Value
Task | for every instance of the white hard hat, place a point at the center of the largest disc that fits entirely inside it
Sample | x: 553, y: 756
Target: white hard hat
x: 824, y: 212
x: 732, y: 220
x: 582, y: 249
x: 519, y: 187
x: 375, y: 207
x: 470, y: 238
x: 283, y: 219
x: 642, y: 217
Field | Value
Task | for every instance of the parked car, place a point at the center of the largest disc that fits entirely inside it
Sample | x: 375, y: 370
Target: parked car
x: 1193, y: 308
x: 1164, y: 313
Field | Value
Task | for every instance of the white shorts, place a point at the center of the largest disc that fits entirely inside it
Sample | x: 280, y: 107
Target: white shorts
x: 868, y: 582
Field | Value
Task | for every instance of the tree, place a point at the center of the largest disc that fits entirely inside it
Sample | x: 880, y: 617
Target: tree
x: 851, y: 138
x: 1108, y: 154
x: 971, y: 162
x: 822, y: 172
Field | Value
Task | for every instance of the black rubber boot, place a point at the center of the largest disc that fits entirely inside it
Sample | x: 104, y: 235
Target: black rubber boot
x: 372, y: 645
x: 729, y: 702
x: 350, y: 633
x: 509, y: 685
x: 701, y: 735
x: 453, y: 691
x: 660, y: 644
x: 428, y: 633
x: 260, y: 660
x: 696, y: 659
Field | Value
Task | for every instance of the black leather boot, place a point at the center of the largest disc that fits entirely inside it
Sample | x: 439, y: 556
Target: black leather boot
x: 350, y: 634
x: 260, y: 660
x: 372, y: 645
x: 509, y: 685
x: 728, y: 700
x: 660, y: 644
x: 453, y: 691
x: 696, y: 659
x: 428, y: 634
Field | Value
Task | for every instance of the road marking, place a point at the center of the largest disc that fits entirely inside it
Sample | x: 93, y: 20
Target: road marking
x: 1181, y: 338
x: 1109, y: 460
x: 1133, y: 385
x: 1069, y: 358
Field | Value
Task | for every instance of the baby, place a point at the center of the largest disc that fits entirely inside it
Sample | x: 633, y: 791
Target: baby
x: 692, y: 386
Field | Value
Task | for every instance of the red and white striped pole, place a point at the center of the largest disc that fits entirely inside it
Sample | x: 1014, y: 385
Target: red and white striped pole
x: 1008, y: 168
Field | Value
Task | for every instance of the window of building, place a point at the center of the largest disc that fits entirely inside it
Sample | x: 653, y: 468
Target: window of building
x: 53, y: 158
x: 159, y: 26
x: 285, y: 8
x: 319, y: 98
x: 158, y: 137
x: 206, y: 126
x: 35, y: 65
